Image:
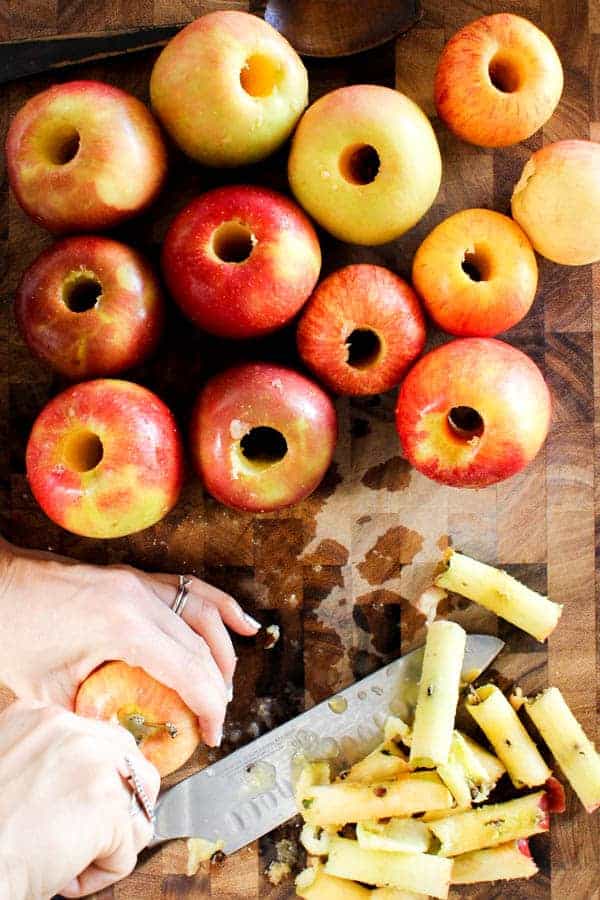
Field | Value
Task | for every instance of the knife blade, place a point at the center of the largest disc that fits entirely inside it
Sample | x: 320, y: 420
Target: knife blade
x: 250, y: 792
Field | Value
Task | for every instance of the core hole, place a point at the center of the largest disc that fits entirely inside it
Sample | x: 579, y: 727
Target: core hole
x: 465, y: 422
x: 360, y: 164
x: 64, y: 146
x: 504, y: 74
x: 264, y: 445
x: 259, y: 75
x: 476, y: 264
x: 233, y: 242
x: 83, y: 451
x: 81, y: 292
x: 364, y: 346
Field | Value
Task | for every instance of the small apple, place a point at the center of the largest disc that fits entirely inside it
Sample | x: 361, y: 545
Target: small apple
x: 105, y: 459
x: 498, y: 80
x: 365, y: 163
x: 165, y: 729
x: 262, y: 436
x: 361, y: 329
x: 229, y: 89
x: 557, y: 202
x: 476, y: 273
x: 84, y: 156
x: 90, y: 306
x: 473, y: 412
x: 240, y: 261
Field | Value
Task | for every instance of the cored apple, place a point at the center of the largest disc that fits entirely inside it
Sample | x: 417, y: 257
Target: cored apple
x: 365, y: 163
x: 361, y: 329
x: 165, y: 729
x: 240, y: 261
x: 476, y: 273
x: 262, y: 436
x: 557, y: 202
x: 90, y: 306
x: 498, y: 80
x: 84, y: 156
x: 473, y: 412
x: 229, y: 88
x: 105, y: 459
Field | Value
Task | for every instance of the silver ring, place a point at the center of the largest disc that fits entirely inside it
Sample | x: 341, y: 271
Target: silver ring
x: 181, y: 597
x: 139, y: 798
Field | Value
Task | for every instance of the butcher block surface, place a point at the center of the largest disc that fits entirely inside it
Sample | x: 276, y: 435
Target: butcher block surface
x: 340, y: 572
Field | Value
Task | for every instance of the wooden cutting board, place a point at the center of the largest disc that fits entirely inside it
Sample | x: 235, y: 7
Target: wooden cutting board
x: 338, y: 572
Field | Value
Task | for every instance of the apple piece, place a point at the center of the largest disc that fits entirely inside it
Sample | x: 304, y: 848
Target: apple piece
x: 476, y: 273
x: 90, y: 306
x: 314, y: 883
x: 84, y: 156
x: 557, y: 202
x: 473, y: 412
x: 240, y: 261
x: 262, y: 436
x: 229, y: 89
x: 501, y: 863
x: 105, y: 459
x: 498, y: 80
x: 361, y: 329
x: 365, y: 163
x: 165, y: 729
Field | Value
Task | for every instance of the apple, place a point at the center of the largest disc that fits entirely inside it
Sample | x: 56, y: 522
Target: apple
x: 361, y: 329
x: 498, y: 80
x: 165, y: 729
x: 240, y: 261
x: 476, y: 273
x: 262, y: 436
x: 90, y: 306
x: 105, y: 459
x: 365, y: 163
x: 557, y: 202
x: 473, y: 412
x: 84, y: 156
x: 229, y: 89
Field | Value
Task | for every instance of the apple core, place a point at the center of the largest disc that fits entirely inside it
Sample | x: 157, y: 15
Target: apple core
x: 359, y: 164
x: 505, y: 73
x: 82, y: 451
x: 364, y: 348
x: 476, y: 264
x: 63, y: 145
x: 233, y: 242
x: 260, y: 75
x: 263, y: 446
x: 81, y: 291
x: 465, y: 423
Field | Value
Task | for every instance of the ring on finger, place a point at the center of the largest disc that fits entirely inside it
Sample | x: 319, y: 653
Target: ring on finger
x: 181, y: 597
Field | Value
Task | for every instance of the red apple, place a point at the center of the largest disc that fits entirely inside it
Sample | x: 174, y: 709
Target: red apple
x: 240, y: 261
x: 361, y: 329
x: 105, y: 459
x: 84, y: 156
x: 262, y: 436
x: 473, y: 412
x: 90, y: 306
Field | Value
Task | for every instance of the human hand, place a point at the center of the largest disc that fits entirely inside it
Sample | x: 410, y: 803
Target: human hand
x: 60, y: 619
x: 66, y: 818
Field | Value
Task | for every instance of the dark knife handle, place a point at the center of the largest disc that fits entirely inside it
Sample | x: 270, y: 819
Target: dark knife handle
x: 19, y: 59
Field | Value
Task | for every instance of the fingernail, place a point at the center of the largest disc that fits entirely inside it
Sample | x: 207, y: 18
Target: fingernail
x: 219, y: 737
x: 252, y: 622
x: 229, y: 692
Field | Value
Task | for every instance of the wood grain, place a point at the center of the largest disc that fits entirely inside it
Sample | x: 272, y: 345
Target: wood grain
x: 340, y: 572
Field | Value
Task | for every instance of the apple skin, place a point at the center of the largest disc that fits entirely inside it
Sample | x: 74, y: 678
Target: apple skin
x: 361, y: 297
x: 116, y: 690
x: 249, y: 298
x: 410, y: 165
x: 504, y: 258
x: 256, y: 395
x: 498, y: 381
x: 197, y: 89
x: 117, y: 171
x: 557, y: 202
x: 524, y: 61
x: 139, y: 476
x: 119, y: 332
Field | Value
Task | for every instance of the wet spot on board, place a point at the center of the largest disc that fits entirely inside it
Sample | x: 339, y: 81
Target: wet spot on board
x: 391, y: 475
x: 377, y: 614
x: 330, y: 553
x: 443, y: 542
x: 393, y: 550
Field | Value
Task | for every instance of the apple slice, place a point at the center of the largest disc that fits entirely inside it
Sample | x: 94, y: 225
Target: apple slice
x: 165, y: 729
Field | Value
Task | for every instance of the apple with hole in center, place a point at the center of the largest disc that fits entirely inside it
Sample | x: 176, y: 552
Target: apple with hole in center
x: 84, y: 156
x: 105, y: 459
x: 240, y: 261
x: 473, y: 412
x: 262, y: 436
x: 165, y: 729
x: 90, y: 306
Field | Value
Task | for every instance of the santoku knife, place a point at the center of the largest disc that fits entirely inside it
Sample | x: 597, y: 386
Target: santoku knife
x: 249, y: 792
